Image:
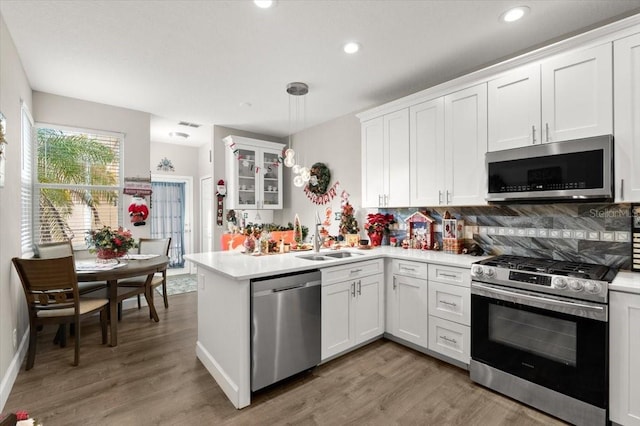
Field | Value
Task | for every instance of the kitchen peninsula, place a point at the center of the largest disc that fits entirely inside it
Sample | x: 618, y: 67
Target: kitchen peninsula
x: 224, y: 302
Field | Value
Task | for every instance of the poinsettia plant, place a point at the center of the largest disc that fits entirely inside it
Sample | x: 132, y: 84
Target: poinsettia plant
x: 379, y: 222
x: 118, y: 240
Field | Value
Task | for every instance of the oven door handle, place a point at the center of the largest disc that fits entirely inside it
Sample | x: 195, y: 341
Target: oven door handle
x: 551, y: 303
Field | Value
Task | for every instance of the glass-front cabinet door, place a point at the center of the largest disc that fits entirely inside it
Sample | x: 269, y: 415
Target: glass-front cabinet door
x: 271, y: 180
x: 253, y: 174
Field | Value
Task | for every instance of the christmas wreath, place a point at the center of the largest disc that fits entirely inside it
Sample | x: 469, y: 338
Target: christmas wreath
x: 320, y: 179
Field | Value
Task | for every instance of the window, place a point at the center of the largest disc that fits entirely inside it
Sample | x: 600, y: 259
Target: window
x: 78, y: 182
x: 26, y: 179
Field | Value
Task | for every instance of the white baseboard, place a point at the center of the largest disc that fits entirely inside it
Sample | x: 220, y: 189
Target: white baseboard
x: 14, y: 368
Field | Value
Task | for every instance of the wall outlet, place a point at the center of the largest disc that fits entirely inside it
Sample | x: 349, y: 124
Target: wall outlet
x: 15, y: 338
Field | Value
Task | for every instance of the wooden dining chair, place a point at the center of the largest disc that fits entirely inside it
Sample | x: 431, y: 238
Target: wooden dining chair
x: 159, y: 246
x: 51, y: 290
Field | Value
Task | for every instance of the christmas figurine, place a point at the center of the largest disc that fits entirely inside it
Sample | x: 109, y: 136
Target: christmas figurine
x: 138, y: 211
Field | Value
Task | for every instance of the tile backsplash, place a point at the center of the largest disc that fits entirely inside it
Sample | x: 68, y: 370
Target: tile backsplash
x: 594, y: 233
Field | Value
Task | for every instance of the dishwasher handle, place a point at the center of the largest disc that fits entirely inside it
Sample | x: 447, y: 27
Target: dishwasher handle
x: 293, y: 287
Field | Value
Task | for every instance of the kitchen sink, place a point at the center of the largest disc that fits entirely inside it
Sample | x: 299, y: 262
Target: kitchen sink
x: 313, y: 257
x: 342, y: 254
x: 328, y: 256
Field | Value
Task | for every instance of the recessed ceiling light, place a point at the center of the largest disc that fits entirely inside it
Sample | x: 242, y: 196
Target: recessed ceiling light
x: 351, y: 47
x: 263, y: 4
x: 179, y: 134
x: 514, y: 14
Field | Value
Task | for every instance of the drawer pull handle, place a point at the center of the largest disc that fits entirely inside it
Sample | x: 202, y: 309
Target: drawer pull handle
x: 449, y: 275
x: 404, y: 268
x: 355, y: 271
x: 444, y: 302
x: 449, y: 340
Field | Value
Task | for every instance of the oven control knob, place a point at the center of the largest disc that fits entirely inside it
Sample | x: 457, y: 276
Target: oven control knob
x: 490, y: 272
x: 477, y: 271
x: 576, y: 285
x: 559, y: 282
x: 593, y: 287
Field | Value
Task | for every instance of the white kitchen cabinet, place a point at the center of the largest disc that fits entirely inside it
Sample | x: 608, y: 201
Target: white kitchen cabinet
x: 626, y: 67
x: 385, y: 159
x: 514, y: 109
x: 624, y: 352
x: 465, y: 137
x: 253, y: 173
x: 450, y: 312
x: 352, y: 309
x: 568, y: 96
x: 407, y: 293
x: 577, y: 94
x: 426, y: 147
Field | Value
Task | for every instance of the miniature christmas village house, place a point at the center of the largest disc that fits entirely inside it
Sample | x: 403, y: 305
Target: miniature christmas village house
x: 452, y: 235
x: 420, y: 231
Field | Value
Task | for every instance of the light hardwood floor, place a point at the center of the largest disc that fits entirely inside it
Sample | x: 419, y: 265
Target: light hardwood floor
x: 154, y: 378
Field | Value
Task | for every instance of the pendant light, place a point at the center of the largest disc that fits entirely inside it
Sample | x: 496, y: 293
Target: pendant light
x: 295, y: 90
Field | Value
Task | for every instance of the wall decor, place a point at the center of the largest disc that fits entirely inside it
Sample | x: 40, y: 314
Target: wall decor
x: 165, y: 165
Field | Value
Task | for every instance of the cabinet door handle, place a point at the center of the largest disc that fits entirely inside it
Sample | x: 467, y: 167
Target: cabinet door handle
x: 621, y: 189
x: 448, y: 197
x: 394, y: 283
x: 359, y: 287
x: 386, y: 200
x: 547, y: 130
x: 440, y: 197
x: 533, y: 134
x: 379, y: 200
x: 353, y: 289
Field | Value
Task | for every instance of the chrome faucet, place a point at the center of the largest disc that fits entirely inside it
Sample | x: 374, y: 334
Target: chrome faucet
x: 316, y: 238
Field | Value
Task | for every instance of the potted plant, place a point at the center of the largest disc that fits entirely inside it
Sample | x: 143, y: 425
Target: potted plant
x: 110, y: 244
x: 378, y: 225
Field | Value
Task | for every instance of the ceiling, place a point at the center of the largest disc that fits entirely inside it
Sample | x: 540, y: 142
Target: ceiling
x: 228, y: 62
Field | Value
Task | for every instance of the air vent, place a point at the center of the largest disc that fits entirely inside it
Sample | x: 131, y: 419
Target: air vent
x: 186, y: 123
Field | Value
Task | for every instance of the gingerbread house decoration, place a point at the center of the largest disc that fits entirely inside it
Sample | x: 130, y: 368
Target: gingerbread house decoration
x: 452, y: 234
x: 420, y: 231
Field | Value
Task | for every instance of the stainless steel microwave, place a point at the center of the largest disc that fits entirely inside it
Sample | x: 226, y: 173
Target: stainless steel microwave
x: 574, y: 170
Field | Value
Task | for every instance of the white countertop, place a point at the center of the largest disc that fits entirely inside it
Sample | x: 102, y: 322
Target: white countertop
x: 243, y: 266
x: 626, y: 281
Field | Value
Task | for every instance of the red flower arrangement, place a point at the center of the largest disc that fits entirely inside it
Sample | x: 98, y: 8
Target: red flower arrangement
x: 109, y: 243
x: 379, y: 223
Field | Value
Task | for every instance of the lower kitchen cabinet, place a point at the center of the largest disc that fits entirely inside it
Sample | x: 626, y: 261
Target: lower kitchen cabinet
x: 407, y: 302
x: 450, y: 312
x: 624, y: 353
x: 450, y: 338
x: 353, y: 309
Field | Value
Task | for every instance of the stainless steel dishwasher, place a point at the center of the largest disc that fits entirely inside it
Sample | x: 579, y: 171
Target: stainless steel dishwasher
x: 285, y: 326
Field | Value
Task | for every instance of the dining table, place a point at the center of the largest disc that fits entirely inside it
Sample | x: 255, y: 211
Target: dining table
x: 128, y: 267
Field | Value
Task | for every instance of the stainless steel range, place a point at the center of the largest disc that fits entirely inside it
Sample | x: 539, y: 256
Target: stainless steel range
x: 539, y: 334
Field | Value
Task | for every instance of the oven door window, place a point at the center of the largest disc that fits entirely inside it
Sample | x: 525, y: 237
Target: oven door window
x: 539, y: 335
x: 558, y: 351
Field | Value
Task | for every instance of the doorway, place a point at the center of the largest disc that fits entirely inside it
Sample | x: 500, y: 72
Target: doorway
x: 171, y: 216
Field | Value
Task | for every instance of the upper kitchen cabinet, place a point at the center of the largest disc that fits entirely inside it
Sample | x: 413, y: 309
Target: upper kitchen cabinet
x: 514, y: 109
x: 426, y: 159
x: 627, y: 118
x: 566, y: 97
x: 465, y: 144
x: 253, y: 173
x: 385, y: 159
x: 577, y: 94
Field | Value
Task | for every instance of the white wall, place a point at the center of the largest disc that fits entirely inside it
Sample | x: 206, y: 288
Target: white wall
x: 63, y: 111
x: 336, y: 144
x: 14, y: 87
